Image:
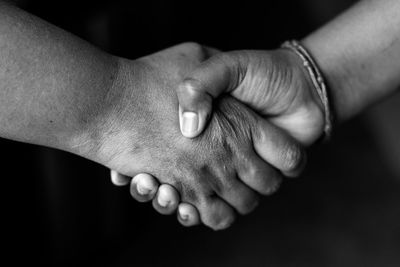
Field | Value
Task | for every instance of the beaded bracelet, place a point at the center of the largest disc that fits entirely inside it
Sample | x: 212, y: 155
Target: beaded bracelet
x: 317, y: 80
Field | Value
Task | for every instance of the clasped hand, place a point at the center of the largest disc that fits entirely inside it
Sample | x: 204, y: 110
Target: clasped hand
x: 213, y: 131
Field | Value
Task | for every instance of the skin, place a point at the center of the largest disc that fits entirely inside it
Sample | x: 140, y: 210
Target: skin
x: 219, y: 173
x: 281, y: 88
x: 61, y: 92
x: 358, y: 53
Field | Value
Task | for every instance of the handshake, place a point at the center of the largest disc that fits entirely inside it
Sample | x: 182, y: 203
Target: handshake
x: 204, y: 133
x: 199, y: 132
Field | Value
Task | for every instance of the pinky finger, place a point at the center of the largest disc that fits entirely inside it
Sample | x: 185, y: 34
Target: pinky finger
x: 188, y: 215
x: 119, y: 179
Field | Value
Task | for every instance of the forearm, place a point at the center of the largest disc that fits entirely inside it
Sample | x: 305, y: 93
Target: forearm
x: 359, y: 54
x: 51, y: 83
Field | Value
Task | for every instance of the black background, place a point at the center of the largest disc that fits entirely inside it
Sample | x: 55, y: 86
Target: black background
x: 59, y: 209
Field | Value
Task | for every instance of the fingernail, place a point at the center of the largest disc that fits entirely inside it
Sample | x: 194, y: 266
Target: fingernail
x: 184, y: 217
x: 143, y: 189
x: 190, y: 122
x: 163, y: 200
x: 183, y: 212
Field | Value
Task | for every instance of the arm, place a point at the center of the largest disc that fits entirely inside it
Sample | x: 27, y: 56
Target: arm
x: 59, y: 91
x: 50, y: 82
x: 359, y: 53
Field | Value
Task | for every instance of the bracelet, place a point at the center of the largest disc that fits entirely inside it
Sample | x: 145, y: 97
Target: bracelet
x: 317, y: 80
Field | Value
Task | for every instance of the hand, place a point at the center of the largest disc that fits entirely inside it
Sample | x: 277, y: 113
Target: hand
x: 273, y: 83
x: 216, y: 173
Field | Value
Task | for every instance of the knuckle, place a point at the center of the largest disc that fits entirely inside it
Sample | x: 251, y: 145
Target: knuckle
x: 195, y: 50
x: 190, y: 93
x: 193, y: 46
x: 190, y: 87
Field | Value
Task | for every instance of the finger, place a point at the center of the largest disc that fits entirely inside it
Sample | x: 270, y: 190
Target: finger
x: 119, y: 179
x: 213, y: 77
x: 188, y: 215
x: 243, y: 199
x: 215, y: 213
x: 143, y: 187
x: 278, y: 149
x: 167, y: 200
x: 259, y: 175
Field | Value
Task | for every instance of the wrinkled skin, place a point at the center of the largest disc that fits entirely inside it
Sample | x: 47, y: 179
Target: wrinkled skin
x: 140, y: 134
x: 273, y: 83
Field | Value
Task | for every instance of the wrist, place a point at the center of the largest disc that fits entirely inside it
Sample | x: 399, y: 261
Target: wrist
x: 96, y: 119
x: 305, y: 82
x: 318, y: 85
x: 304, y: 117
x: 123, y: 117
x: 341, y: 81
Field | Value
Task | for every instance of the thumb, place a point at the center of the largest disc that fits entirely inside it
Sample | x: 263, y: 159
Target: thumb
x: 219, y: 74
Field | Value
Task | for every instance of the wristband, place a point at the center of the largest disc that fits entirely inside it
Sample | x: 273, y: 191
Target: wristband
x: 317, y: 80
